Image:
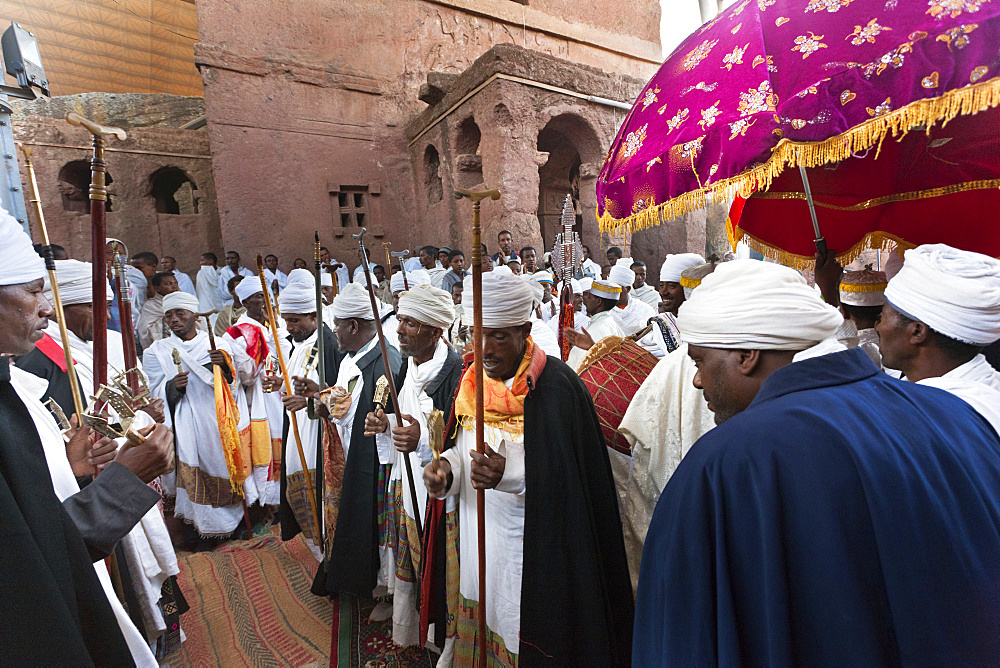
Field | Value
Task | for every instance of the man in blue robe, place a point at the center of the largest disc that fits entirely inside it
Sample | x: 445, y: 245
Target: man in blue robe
x: 835, y: 516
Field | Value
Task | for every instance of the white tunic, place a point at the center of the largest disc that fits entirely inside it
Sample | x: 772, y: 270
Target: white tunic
x: 196, y: 427
x: 647, y: 294
x: 975, y: 382
x: 504, y: 530
x: 601, y: 325
x: 634, y: 316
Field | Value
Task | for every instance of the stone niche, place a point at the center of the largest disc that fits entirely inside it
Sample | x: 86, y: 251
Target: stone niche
x: 523, y: 122
x: 161, y: 192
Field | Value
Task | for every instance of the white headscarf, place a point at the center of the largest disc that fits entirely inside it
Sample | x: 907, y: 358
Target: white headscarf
x: 622, y: 273
x: 19, y: 263
x: 507, y: 300
x: 585, y: 283
x: 577, y: 286
x: 326, y: 280
x: 756, y: 305
x: 427, y: 304
x: 412, y: 264
x: 299, y: 295
x: 418, y: 277
x: 954, y: 292
x: 248, y: 287
x: 676, y: 263
x: 396, y: 282
x: 179, y: 300
x: 75, y: 283
x: 353, y: 302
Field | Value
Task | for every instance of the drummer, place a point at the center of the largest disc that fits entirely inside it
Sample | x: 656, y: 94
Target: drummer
x: 544, y: 462
x: 600, y: 301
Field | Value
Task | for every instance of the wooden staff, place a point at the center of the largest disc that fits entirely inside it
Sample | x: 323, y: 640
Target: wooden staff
x: 50, y: 266
x: 388, y: 257
x: 402, y: 258
x: 320, y: 367
x: 388, y: 376
x: 125, y: 317
x: 98, y: 231
x: 477, y: 344
x: 294, y: 423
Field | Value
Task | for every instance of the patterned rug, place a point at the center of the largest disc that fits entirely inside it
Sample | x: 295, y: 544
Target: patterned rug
x: 251, y: 606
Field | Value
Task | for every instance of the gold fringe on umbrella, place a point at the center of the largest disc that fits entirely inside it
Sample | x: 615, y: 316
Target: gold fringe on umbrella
x: 923, y: 114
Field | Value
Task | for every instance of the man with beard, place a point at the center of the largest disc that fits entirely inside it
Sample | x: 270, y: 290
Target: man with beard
x: 58, y: 605
x: 427, y: 380
x: 557, y: 590
x: 834, y: 516
x: 180, y: 370
x: 298, y: 308
x: 358, y: 558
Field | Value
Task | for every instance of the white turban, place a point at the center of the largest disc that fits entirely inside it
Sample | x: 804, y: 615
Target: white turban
x: 326, y: 280
x: 756, y: 305
x: 248, y: 287
x: 180, y: 300
x: 396, y: 283
x: 299, y: 295
x: 954, y: 292
x: 418, y: 277
x: 507, y: 300
x: 353, y: 302
x: 429, y: 305
x: 412, y: 264
x: 675, y: 264
x: 75, y: 283
x: 622, y: 273
x: 585, y: 284
x: 537, y: 289
x: 544, y: 276
x: 19, y: 263
x: 605, y: 289
x: 577, y: 286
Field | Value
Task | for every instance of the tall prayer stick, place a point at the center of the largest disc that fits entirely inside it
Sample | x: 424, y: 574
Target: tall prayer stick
x: 477, y: 344
x: 320, y: 368
x: 294, y: 423
x: 402, y: 265
x: 98, y: 231
x: 125, y: 316
x: 388, y: 376
x: 50, y: 266
x: 388, y: 258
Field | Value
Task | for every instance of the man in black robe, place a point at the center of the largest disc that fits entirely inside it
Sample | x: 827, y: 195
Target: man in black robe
x: 558, y: 588
x: 352, y: 544
x: 54, y: 608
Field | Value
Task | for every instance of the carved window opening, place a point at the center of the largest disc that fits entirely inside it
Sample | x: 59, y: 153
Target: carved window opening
x: 468, y: 162
x: 74, y: 186
x: 353, y: 204
x: 173, y: 191
x: 432, y: 175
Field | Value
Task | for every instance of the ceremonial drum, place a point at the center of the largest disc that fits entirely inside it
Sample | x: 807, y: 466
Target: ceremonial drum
x: 613, y: 370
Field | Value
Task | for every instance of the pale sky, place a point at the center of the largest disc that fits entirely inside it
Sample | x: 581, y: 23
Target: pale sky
x: 678, y: 19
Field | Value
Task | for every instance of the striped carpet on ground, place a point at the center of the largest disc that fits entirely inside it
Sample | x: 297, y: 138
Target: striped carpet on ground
x: 251, y: 606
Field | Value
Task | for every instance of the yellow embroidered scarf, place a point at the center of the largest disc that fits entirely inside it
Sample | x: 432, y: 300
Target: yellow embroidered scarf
x: 503, y: 408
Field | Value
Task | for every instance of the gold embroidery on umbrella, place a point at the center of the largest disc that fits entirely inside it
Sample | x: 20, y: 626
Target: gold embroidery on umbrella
x: 930, y: 81
x: 649, y: 98
x: 708, y: 116
x: 881, y: 109
x: 978, y: 73
x: 740, y: 127
x: 734, y: 57
x: 739, y: 10
x: 958, y: 36
x: 829, y: 5
x: 700, y: 86
x: 807, y: 45
x: 737, y: 28
x: 798, y: 123
x: 764, y: 4
x: 846, y: 97
x: 781, y: 20
x: 917, y: 35
x: 698, y: 54
x: 953, y: 8
x: 634, y: 140
x: 649, y: 165
x: 812, y: 90
x: 758, y: 100
x: 678, y: 118
x: 866, y: 33
x: 692, y: 148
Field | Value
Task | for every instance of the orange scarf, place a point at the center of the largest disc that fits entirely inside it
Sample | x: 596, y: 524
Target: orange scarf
x: 503, y: 408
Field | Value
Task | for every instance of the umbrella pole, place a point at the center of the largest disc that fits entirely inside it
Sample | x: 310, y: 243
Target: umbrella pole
x: 820, y: 240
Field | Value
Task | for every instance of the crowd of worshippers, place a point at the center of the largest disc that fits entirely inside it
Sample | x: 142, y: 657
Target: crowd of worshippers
x: 812, y: 470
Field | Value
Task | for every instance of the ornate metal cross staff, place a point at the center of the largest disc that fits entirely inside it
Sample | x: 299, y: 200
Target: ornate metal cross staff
x: 477, y: 343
